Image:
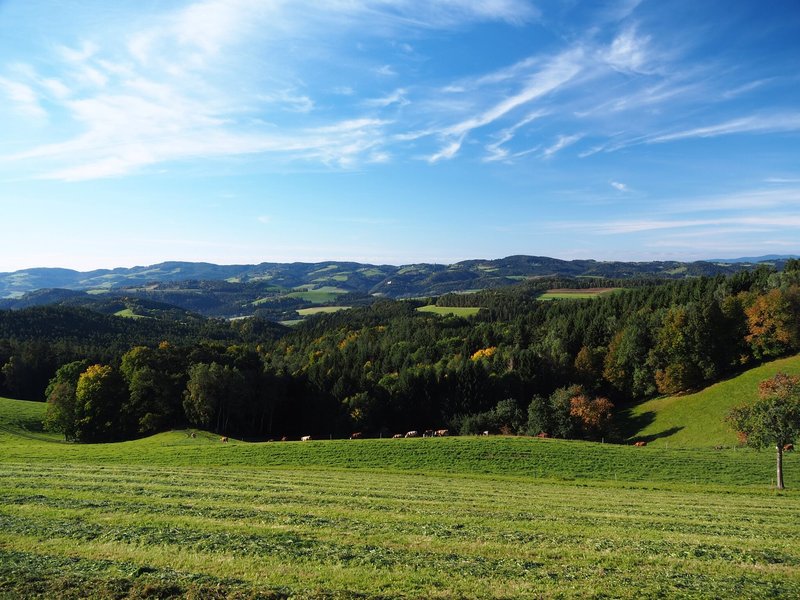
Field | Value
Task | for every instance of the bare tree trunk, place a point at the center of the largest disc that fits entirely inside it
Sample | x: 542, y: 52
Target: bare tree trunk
x: 780, y: 466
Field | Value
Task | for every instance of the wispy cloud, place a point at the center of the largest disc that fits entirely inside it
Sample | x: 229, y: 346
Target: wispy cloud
x: 761, y: 123
x: 785, y: 221
x: 621, y: 187
x: 24, y: 98
x: 628, y: 52
x: 386, y: 71
x: 562, y: 142
x: 194, y: 83
x: 289, y: 100
x: 398, y: 97
x: 497, y: 151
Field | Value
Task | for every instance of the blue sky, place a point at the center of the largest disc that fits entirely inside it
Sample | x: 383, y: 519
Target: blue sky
x: 396, y: 131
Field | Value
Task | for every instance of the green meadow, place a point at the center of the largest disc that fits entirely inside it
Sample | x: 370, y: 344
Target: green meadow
x: 174, y: 516
x: 577, y: 294
x: 321, y: 295
x: 697, y: 420
x: 459, y: 311
x: 315, y: 310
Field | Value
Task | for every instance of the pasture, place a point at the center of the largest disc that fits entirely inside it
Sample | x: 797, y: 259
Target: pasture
x: 175, y: 516
x: 321, y: 295
x: 459, y: 311
x: 576, y: 294
x: 697, y: 420
x: 315, y: 310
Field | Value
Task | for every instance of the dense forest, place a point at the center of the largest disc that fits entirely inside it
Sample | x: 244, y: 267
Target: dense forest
x: 520, y: 365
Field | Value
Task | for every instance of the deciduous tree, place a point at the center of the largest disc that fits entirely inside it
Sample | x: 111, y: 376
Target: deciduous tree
x: 774, y: 419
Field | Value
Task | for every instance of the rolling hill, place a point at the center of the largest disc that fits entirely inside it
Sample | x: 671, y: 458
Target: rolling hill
x: 276, y: 291
x: 697, y: 420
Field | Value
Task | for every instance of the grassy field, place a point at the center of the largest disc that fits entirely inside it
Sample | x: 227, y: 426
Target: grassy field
x: 173, y: 516
x: 459, y: 311
x: 304, y: 312
x: 129, y: 314
x: 697, y: 420
x: 320, y: 295
x: 576, y: 294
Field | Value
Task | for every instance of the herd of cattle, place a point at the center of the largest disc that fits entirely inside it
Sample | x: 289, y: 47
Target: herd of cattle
x: 357, y: 435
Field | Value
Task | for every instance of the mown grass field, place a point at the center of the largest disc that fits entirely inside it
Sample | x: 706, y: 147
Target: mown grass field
x: 174, y: 516
x: 697, y: 420
x: 459, y: 311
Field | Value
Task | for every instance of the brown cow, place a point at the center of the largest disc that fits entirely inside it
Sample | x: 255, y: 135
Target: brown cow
x: 224, y: 439
x: 543, y: 435
x: 397, y: 436
x: 356, y: 435
x: 441, y: 432
x: 305, y: 438
x: 413, y: 433
x: 640, y: 444
x: 788, y: 448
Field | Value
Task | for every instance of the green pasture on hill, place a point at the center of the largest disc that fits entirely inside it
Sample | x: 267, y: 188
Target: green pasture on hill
x: 577, y: 294
x: 305, y: 312
x: 320, y: 295
x: 173, y: 516
x: 459, y: 311
x: 697, y: 420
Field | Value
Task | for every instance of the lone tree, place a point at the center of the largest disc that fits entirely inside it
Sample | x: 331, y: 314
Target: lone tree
x: 773, y: 419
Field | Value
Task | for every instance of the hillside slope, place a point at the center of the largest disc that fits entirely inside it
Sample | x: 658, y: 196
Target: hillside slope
x: 697, y: 420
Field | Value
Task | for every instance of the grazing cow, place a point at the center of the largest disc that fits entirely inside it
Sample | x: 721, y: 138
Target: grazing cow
x: 428, y: 433
x: 397, y: 436
x: 543, y: 435
x: 412, y: 434
x: 284, y: 439
x: 305, y: 438
x: 788, y: 448
x: 485, y: 432
x: 356, y: 436
x: 224, y: 439
x: 640, y: 444
x: 442, y: 433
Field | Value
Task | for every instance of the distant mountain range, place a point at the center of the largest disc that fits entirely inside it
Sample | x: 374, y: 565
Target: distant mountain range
x: 278, y: 288
x: 770, y: 258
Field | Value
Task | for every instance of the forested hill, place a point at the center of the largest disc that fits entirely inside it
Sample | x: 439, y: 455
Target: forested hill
x: 517, y: 364
x: 403, y: 281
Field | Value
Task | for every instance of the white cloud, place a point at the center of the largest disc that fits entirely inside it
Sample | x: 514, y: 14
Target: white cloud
x: 764, y: 123
x: 782, y: 180
x: 642, y: 225
x: 496, y: 149
x: 562, y: 142
x: 386, y: 71
x: 289, y: 100
x: 25, y: 99
x: 619, y: 186
x: 398, y: 96
x: 448, y: 152
x: 628, y: 52
x: 554, y: 75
